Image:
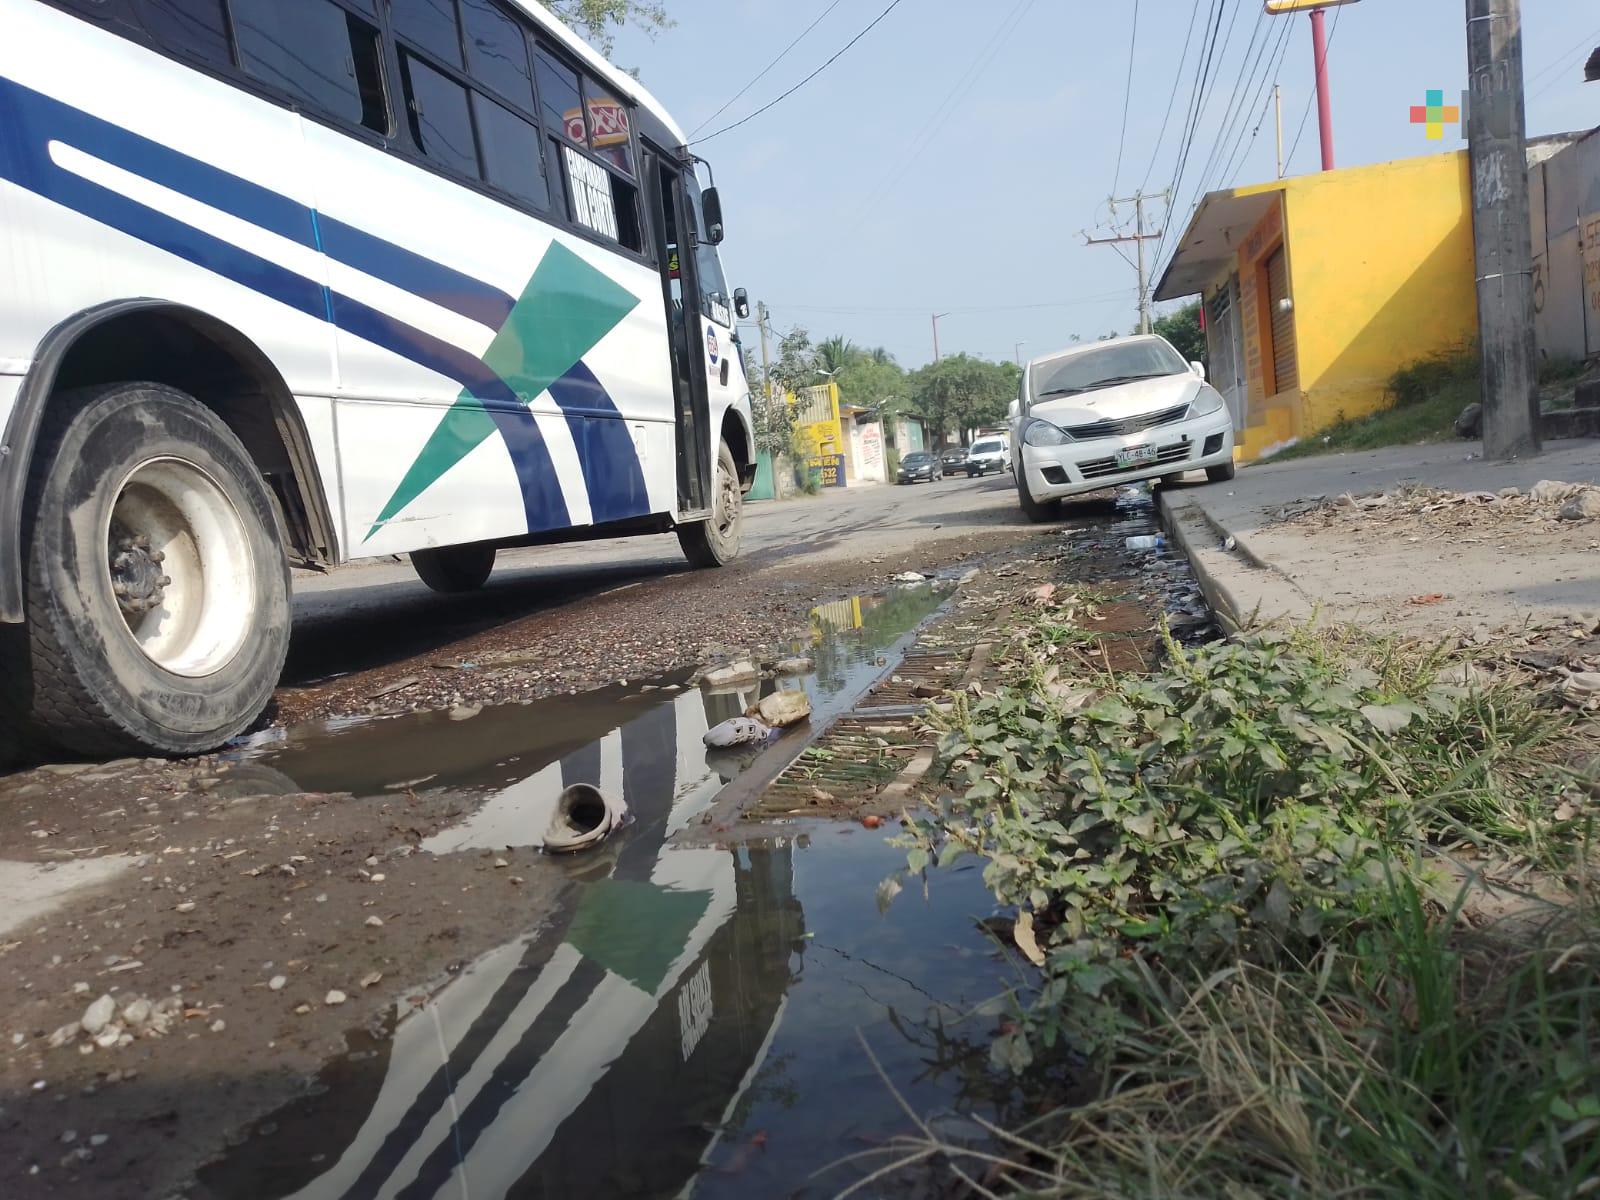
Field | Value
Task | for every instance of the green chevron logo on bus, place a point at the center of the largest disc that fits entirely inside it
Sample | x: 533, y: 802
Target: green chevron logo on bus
x: 565, y: 311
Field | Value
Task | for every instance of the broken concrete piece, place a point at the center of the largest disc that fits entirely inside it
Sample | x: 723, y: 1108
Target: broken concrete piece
x: 782, y: 709
x: 737, y: 672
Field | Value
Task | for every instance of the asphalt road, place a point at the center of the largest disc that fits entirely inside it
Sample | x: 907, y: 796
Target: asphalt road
x: 356, y: 617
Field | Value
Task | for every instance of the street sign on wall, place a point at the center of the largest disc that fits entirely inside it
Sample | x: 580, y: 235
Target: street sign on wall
x: 1278, y: 7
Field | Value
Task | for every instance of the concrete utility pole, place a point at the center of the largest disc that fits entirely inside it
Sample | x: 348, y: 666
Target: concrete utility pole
x: 1277, y: 103
x: 1017, y: 353
x: 1139, y: 237
x: 766, y: 363
x: 1497, y: 142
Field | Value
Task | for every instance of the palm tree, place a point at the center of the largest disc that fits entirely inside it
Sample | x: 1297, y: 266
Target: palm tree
x: 881, y: 356
x: 836, y: 353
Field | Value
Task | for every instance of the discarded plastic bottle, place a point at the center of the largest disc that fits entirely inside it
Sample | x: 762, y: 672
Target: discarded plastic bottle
x: 1149, y: 541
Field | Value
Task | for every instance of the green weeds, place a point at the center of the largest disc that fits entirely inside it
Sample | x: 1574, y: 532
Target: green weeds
x: 1236, y: 876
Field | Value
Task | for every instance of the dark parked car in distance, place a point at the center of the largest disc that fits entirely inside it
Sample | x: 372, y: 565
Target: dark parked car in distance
x: 919, y: 465
x: 954, y: 459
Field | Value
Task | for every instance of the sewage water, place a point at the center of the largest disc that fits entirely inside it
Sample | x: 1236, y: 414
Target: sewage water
x: 689, y: 1020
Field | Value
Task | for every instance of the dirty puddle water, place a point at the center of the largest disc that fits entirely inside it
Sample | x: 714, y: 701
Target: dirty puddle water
x: 686, y: 1020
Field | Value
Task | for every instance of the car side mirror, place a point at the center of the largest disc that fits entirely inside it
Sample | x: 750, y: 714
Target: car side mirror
x: 711, y: 202
x: 1199, y: 368
x: 741, y: 302
x: 1014, y: 410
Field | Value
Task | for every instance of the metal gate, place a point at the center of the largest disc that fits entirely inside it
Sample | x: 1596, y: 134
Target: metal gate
x: 1285, y: 365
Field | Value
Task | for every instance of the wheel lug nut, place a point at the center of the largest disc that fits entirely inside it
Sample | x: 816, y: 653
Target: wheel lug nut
x: 158, y: 556
x: 166, y: 581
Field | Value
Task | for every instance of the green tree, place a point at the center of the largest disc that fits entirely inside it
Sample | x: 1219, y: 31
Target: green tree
x: 594, y: 19
x: 1181, y: 327
x: 837, y: 353
x: 962, y: 394
x: 879, y: 385
x: 795, y: 367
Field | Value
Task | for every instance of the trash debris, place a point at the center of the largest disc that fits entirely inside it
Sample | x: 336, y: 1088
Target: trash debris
x: 584, y: 818
x: 465, y: 712
x: 737, y: 731
x: 794, y: 666
x: 782, y: 709
x: 1149, y: 541
x: 909, y: 577
x: 1426, y: 599
x: 1022, y: 934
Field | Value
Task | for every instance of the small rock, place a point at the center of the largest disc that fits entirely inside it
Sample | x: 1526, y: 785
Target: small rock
x: 782, y: 709
x: 500, y: 863
x: 186, y: 907
x: 69, y: 1137
x: 909, y: 577
x: 378, y: 878
x: 277, y: 983
x: 80, y: 989
x: 1585, y: 506
x: 1469, y: 425
x: 371, y: 979
x: 108, y: 1037
x: 302, y: 1009
x: 98, y: 1015
x: 218, y: 1025
x: 334, y: 998
x: 64, y: 1036
x: 138, y: 1013
x: 99, y: 1139
x: 375, y: 922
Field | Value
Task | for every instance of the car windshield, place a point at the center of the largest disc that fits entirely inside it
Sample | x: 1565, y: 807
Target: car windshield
x: 917, y: 459
x: 986, y: 447
x: 1090, y: 370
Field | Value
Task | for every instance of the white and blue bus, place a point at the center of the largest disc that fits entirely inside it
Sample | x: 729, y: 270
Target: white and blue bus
x: 314, y: 280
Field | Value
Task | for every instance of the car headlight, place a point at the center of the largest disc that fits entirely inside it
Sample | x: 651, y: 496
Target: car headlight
x: 1043, y: 433
x: 1208, y: 401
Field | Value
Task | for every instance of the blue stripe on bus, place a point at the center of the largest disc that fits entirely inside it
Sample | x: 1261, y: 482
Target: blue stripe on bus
x: 611, y: 470
x: 616, y: 485
x: 411, y: 272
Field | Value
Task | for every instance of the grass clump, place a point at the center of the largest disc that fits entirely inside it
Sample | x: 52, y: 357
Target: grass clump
x: 1230, y: 874
x: 1424, y: 398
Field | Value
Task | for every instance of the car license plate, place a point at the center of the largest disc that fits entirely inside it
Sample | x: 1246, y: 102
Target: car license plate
x: 1134, y: 456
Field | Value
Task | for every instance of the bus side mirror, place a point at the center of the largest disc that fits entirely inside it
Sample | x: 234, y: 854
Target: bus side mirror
x: 741, y: 303
x: 711, y: 202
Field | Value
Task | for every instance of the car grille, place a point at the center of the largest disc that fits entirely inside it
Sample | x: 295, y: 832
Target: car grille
x: 1099, y: 468
x: 1127, y: 425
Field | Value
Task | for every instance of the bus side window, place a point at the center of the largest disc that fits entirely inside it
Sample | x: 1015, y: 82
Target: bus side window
x: 317, y: 51
x: 192, y: 28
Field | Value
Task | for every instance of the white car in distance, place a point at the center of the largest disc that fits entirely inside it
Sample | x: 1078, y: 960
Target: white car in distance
x: 1115, y: 412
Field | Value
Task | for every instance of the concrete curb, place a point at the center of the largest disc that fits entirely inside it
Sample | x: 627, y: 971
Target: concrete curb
x: 1240, y: 587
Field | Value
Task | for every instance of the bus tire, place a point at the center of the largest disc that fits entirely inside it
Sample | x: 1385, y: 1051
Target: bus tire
x: 715, y: 543
x: 451, y: 570
x: 157, y: 584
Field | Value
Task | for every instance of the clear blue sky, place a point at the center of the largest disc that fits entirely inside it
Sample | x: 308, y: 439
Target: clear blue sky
x: 854, y: 207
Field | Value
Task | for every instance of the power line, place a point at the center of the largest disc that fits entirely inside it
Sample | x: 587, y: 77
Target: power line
x: 1572, y: 57
x: 1197, y: 104
x: 921, y: 312
x: 782, y: 54
x: 1241, y: 149
x: 1127, y: 95
x: 1172, y: 97
x: 923, y: 138
x: 873, y: 24
x: 1311, y: 99
x: 1234, y: 110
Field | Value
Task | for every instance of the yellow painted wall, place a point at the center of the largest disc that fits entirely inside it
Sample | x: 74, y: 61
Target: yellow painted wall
x: 1381, y: 271
x: 1381, y: 267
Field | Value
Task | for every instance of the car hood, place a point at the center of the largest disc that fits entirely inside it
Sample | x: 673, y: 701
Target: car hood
x: 1117, y: 403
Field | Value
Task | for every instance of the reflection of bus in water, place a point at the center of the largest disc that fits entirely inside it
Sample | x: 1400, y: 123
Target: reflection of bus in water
x: 597, y: 1057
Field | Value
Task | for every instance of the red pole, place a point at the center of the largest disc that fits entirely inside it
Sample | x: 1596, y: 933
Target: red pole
x: 1319, y: 45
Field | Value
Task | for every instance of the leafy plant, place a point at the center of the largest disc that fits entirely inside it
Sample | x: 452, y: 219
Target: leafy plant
x: 1246, y: 803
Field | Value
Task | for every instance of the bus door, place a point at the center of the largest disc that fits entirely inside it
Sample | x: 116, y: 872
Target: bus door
x: 673, y: 221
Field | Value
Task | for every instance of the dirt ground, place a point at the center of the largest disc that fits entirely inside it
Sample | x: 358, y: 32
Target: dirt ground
x: 269, y: 933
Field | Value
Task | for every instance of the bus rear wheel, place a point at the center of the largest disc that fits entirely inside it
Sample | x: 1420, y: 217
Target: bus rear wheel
x: 157, y: 585
x: 454, y: 569
x: 715, y: 543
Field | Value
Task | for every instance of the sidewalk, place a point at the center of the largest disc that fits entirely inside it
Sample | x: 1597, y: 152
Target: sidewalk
x: 1391, y: 565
